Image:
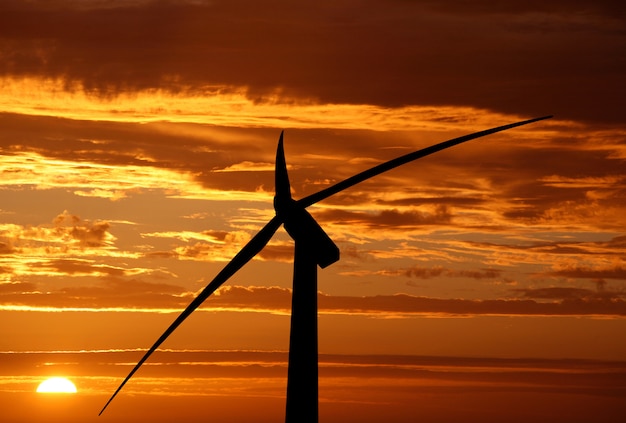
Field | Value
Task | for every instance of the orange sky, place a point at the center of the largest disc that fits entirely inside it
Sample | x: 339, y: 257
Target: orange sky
x: 483, y: 283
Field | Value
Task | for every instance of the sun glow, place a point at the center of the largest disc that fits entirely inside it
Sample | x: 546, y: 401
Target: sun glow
x: 57, y: 385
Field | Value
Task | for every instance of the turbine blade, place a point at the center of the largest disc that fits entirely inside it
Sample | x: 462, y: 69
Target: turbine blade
x: 391, y: 164
x: 250, y: 250
x: 282, y: 187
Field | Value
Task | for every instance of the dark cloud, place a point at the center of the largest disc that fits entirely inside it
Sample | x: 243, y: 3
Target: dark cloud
x: 540, y: 196
x: 282, y: 253
x: 613, y: 247
x: 477, y: 274
x: 88, y: 234
x: 450, y: 201
x: 78, y: 267
x: 617, y: 272
x: 405, y: 304
x: 351, y: 251
x: 617, y: 242
x: 607, y: 8
x: 570, y: 298
x: 523, y: 57
x: 423, y: 273
x: 560, y: 293
x: 439, y: 271
x: 162, y: 254
x: 6, y: 248
x: 112, y: 292
x: 197, y: 250
x: 390, y: 219
x: 17, y: 287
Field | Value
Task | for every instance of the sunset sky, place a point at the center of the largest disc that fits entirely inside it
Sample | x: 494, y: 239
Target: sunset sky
x: 485, y: 283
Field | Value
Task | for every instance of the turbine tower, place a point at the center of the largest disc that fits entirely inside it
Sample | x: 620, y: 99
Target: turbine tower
x: 313, y: 247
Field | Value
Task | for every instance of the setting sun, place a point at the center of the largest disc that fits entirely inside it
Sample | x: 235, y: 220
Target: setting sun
x: 57, y: 385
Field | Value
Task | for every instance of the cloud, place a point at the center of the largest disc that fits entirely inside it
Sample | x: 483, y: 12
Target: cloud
x: 521, y: 57
x: 217, y: 246
x: 263, y: 298
x: 276, y: 251
x: 85, y: 233
x: 561, y: 258
x: 248, y: 167
x: 92, y: 179
x: 17, y: 287
x: 213, y: 251
x: 137, y: 295
x: 390, y: 219
x: 433, y: 272
x: 68, y: 246
x: 112, y: 292
x: 605, y: 8
x: 66, y: 233
x: 481, y: 185
x: 408, y: 305
x: 214, y: 237
x: 83, y: 267
x: 570, y: 298
x: 279, y: 299
x: 561, y: 293
x: 618, y: 272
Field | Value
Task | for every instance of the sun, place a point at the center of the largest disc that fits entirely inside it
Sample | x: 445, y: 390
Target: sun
x: 57, y: 385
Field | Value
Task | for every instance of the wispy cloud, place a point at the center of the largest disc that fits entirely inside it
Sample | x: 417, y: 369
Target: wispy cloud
x: 135, y: 295
x: 92, y: 179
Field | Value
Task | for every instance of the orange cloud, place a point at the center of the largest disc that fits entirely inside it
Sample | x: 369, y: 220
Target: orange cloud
x: 92, y: 179
x: 223, y: 106
x: 66, y: 233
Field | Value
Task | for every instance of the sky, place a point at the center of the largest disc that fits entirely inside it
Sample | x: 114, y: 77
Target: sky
x: 483, y: 283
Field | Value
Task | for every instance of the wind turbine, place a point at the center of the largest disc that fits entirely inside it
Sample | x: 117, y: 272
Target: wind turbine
x: 313, y: 247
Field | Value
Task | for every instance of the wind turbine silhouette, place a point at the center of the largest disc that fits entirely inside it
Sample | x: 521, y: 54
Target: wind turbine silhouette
x: 313, y: 247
